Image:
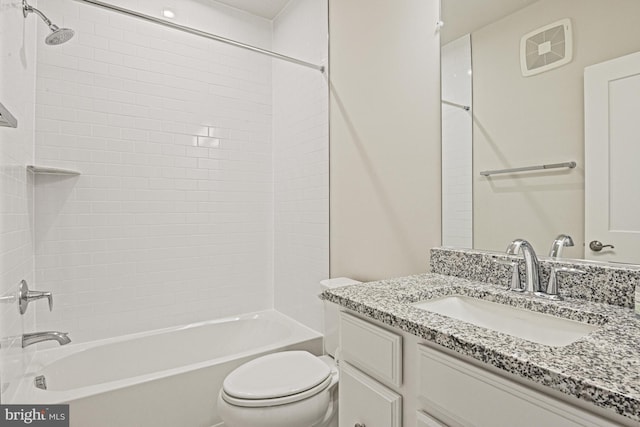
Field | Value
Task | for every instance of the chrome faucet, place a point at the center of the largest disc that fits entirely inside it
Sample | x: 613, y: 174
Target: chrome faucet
x: 531, y: 265
x: 36, y: 337
x: 561, y: 241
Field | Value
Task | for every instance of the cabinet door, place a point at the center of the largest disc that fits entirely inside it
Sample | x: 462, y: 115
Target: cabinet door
x: 424, y: 420
x: 366, y: 402
x: 372, y: 349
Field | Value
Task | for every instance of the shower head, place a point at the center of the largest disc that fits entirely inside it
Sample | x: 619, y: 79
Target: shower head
x: 58, y: 35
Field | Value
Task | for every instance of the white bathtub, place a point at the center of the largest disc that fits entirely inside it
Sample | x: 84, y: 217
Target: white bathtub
x: 168, y: 377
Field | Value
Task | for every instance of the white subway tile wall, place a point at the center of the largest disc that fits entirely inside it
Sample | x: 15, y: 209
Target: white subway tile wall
x: 301, y: 162
x: 457, y: 145
x: 17, y: 94
x: 171, y: 220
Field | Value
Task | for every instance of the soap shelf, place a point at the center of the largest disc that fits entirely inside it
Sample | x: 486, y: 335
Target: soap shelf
x: 6, y: 118
x: 44, y: 170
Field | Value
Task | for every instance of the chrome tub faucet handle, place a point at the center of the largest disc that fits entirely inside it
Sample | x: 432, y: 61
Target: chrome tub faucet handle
x: 25, y: 296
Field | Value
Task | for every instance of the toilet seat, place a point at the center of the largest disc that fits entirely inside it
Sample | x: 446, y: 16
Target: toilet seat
x: 276, y: 379
x: 261, y: 403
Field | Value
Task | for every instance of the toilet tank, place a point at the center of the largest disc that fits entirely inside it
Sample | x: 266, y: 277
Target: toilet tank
x: 331, y: 311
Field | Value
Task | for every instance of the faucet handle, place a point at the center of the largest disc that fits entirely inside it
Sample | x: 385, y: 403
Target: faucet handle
x: 516, y: 285
x: 562, y: 241
x: 25, y: 296
x: 33, y: 295
x: 552, y: 286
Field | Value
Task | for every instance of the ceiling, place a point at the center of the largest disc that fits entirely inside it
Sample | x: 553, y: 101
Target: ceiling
x: 462, y: 17
x: 266, y: 8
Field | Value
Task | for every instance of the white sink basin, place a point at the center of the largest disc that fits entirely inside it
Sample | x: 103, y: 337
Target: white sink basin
x: 529, y: 325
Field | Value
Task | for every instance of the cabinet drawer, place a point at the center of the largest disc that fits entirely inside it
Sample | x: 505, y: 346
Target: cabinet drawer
x: 365, y: 401
x: 462, y: 394
x: 373, y: 350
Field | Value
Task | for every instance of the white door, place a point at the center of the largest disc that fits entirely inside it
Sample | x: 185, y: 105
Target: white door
x: 612, y: 160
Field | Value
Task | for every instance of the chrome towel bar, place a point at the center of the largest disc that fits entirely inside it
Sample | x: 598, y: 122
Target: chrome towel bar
x: 455, y: 104
x: 569, y: 165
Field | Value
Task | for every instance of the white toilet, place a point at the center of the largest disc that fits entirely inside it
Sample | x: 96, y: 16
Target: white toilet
x: 289, y: 388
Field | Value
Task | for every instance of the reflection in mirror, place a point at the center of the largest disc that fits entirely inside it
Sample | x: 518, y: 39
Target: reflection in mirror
x: 516, y: 120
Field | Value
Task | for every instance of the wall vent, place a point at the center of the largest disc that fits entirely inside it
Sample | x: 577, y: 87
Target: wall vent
x: 546, y: 48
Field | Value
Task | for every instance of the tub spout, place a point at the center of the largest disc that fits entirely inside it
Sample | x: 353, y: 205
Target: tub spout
x: 36, y: 337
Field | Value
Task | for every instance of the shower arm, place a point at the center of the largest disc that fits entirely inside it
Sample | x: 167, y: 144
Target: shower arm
x: 27, y: 9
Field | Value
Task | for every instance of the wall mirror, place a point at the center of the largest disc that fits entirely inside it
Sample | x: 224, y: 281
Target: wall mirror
x: 495, y: 117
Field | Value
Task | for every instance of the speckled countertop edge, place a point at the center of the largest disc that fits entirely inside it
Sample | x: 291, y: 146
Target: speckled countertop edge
x: 603, y: 368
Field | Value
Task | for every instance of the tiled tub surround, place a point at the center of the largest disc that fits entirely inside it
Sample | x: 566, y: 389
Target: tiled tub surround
x: 171, y: 220
x: 606, y: 283
x: 603, y: 368
x: 204, y: 168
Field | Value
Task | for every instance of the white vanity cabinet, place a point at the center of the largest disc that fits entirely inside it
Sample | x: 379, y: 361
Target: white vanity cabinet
x: 456, y: 393
x: 391, y: 378
x: 370, y: 363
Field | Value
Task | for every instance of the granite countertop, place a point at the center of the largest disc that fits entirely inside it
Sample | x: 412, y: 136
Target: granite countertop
x: 602, y: 368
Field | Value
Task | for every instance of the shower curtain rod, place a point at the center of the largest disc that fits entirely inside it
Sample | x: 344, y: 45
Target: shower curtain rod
x: 201, y: 33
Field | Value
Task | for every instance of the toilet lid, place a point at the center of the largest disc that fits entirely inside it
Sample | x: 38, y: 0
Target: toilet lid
x: 276, y: 375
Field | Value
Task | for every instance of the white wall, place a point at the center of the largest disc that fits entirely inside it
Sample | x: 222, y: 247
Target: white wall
x: 301, y: 161
x: 171, y: 220
x: 385, y: 137
x: 522, y: 121
x: 17, y: 93
x: 457, y: 144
